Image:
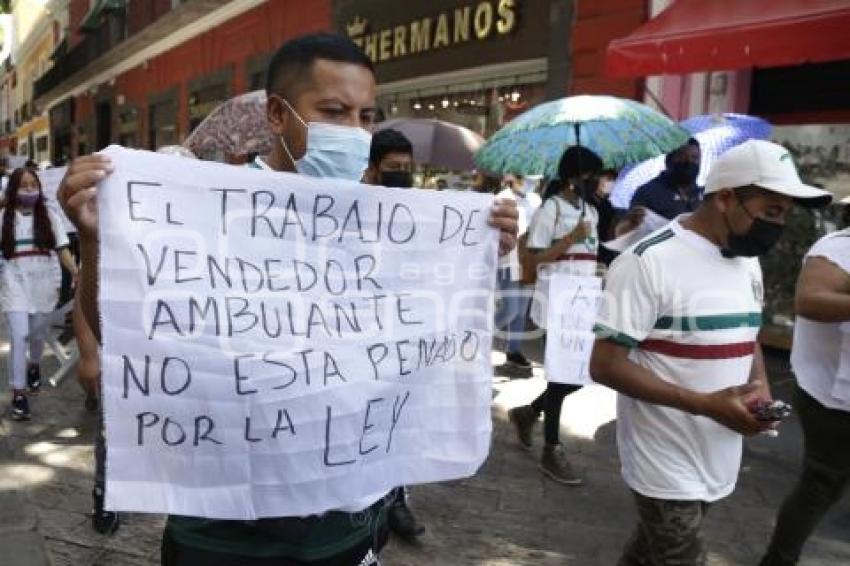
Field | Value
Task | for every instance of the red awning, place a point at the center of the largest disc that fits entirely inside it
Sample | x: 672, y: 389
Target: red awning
x: 703, y: 35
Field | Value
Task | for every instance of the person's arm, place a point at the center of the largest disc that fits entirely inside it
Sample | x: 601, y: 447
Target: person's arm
x: 88, y: 367
x: 62, y: 243
x: 89, y: 268
x: 560, y: 247
x: 628, y: 314
x: 505, y: 216
x: 630, y: 221
x: 758, y: 375
x: 823, y: 291
x: 67, y: 261
x: 78, y: 196
x: 541, y: 233
x: 641, y: 197
x: 610, y: 365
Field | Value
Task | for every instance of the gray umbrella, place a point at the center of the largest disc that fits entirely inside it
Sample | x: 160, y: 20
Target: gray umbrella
x: 438, y: 143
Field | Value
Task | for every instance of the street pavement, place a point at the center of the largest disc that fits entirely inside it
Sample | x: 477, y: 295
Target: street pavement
x: 507, y: 514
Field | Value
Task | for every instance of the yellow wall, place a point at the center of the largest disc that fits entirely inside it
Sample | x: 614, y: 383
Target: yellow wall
x: 27, y: 14
x: 33, y: 64
x: 36, y: 125
x: 30, y: 18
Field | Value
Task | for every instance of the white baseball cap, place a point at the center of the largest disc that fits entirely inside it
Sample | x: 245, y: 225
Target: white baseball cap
x: 766, y: 165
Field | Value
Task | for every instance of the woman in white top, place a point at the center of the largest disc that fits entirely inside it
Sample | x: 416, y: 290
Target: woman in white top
x: 563, y: 237
x: 31, y: 236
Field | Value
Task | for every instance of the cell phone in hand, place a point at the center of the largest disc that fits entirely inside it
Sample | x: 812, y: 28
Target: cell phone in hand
x: 770, y: 410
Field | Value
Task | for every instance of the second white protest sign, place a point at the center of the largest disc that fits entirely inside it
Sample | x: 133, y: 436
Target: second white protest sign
x: 572, y: 308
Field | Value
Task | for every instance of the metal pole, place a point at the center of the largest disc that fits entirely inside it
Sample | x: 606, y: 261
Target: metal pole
x: 577, y: 128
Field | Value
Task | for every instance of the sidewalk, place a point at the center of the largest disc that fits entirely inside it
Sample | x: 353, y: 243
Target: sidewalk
x: 506, y: 515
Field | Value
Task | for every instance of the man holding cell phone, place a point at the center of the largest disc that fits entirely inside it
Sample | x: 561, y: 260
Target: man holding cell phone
x: 677, y: 338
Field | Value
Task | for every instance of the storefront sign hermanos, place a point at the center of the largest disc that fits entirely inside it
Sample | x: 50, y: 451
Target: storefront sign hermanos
x: 468, y: 23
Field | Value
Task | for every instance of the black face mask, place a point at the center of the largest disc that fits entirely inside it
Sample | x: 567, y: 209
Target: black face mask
x: 401, y: 179
x: 684, y: 173
x: 756, y: 241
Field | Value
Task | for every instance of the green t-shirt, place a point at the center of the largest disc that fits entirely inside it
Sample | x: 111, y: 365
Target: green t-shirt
x: 296, y: 538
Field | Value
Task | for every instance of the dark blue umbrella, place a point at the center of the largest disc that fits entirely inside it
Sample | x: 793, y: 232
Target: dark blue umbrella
x: 715, y: 133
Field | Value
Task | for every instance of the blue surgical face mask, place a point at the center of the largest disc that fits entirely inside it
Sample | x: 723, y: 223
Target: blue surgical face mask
x: 340, y: 152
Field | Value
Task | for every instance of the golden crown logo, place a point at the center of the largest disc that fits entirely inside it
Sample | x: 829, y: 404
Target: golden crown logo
x: 357, y: 26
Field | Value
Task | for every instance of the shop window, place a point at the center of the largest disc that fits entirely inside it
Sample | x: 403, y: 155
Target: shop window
x: 128, y: 125
x: 41, y: 144
x: 163, y: 124
x: 257, y: 81
x: 128, y: 140
x: 802, y: 88
x: 205, y: 100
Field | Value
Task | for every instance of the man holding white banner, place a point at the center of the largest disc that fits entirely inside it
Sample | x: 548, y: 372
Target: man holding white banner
x: 677, y: 338
x: 275, y: 441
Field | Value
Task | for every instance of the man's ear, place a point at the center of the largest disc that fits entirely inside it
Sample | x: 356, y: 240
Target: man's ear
x: 723, y: 199
x: 278, y: 115
x: 371, y: 174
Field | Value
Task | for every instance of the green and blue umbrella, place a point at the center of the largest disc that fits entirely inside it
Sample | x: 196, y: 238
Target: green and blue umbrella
x: 620, y: 131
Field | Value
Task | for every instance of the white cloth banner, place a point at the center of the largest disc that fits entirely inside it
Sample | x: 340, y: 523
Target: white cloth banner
x: 277, y: 345
x: 573, y: 305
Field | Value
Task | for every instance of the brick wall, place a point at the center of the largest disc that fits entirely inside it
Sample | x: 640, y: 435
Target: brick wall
x: 595, y: 24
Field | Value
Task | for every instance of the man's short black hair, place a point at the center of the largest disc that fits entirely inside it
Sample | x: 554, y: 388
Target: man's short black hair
x: 388, y: 141
x: 289, y: 67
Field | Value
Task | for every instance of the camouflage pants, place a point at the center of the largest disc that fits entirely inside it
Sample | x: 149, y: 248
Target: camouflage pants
x: 667, y: 534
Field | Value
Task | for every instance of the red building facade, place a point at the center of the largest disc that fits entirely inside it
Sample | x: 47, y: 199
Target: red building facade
x: 159, y: 101
x: 595, y: 24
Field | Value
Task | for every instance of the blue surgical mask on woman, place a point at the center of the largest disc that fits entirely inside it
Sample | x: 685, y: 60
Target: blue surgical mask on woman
x: 340, y: 152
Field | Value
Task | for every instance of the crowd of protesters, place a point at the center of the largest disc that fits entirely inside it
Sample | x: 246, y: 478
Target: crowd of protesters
x: 690, y: 375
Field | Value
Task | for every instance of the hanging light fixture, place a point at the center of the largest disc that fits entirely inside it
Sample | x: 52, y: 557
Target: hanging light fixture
x: 445, y: 102
x: 515, y: 94
x: 417, y: 105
